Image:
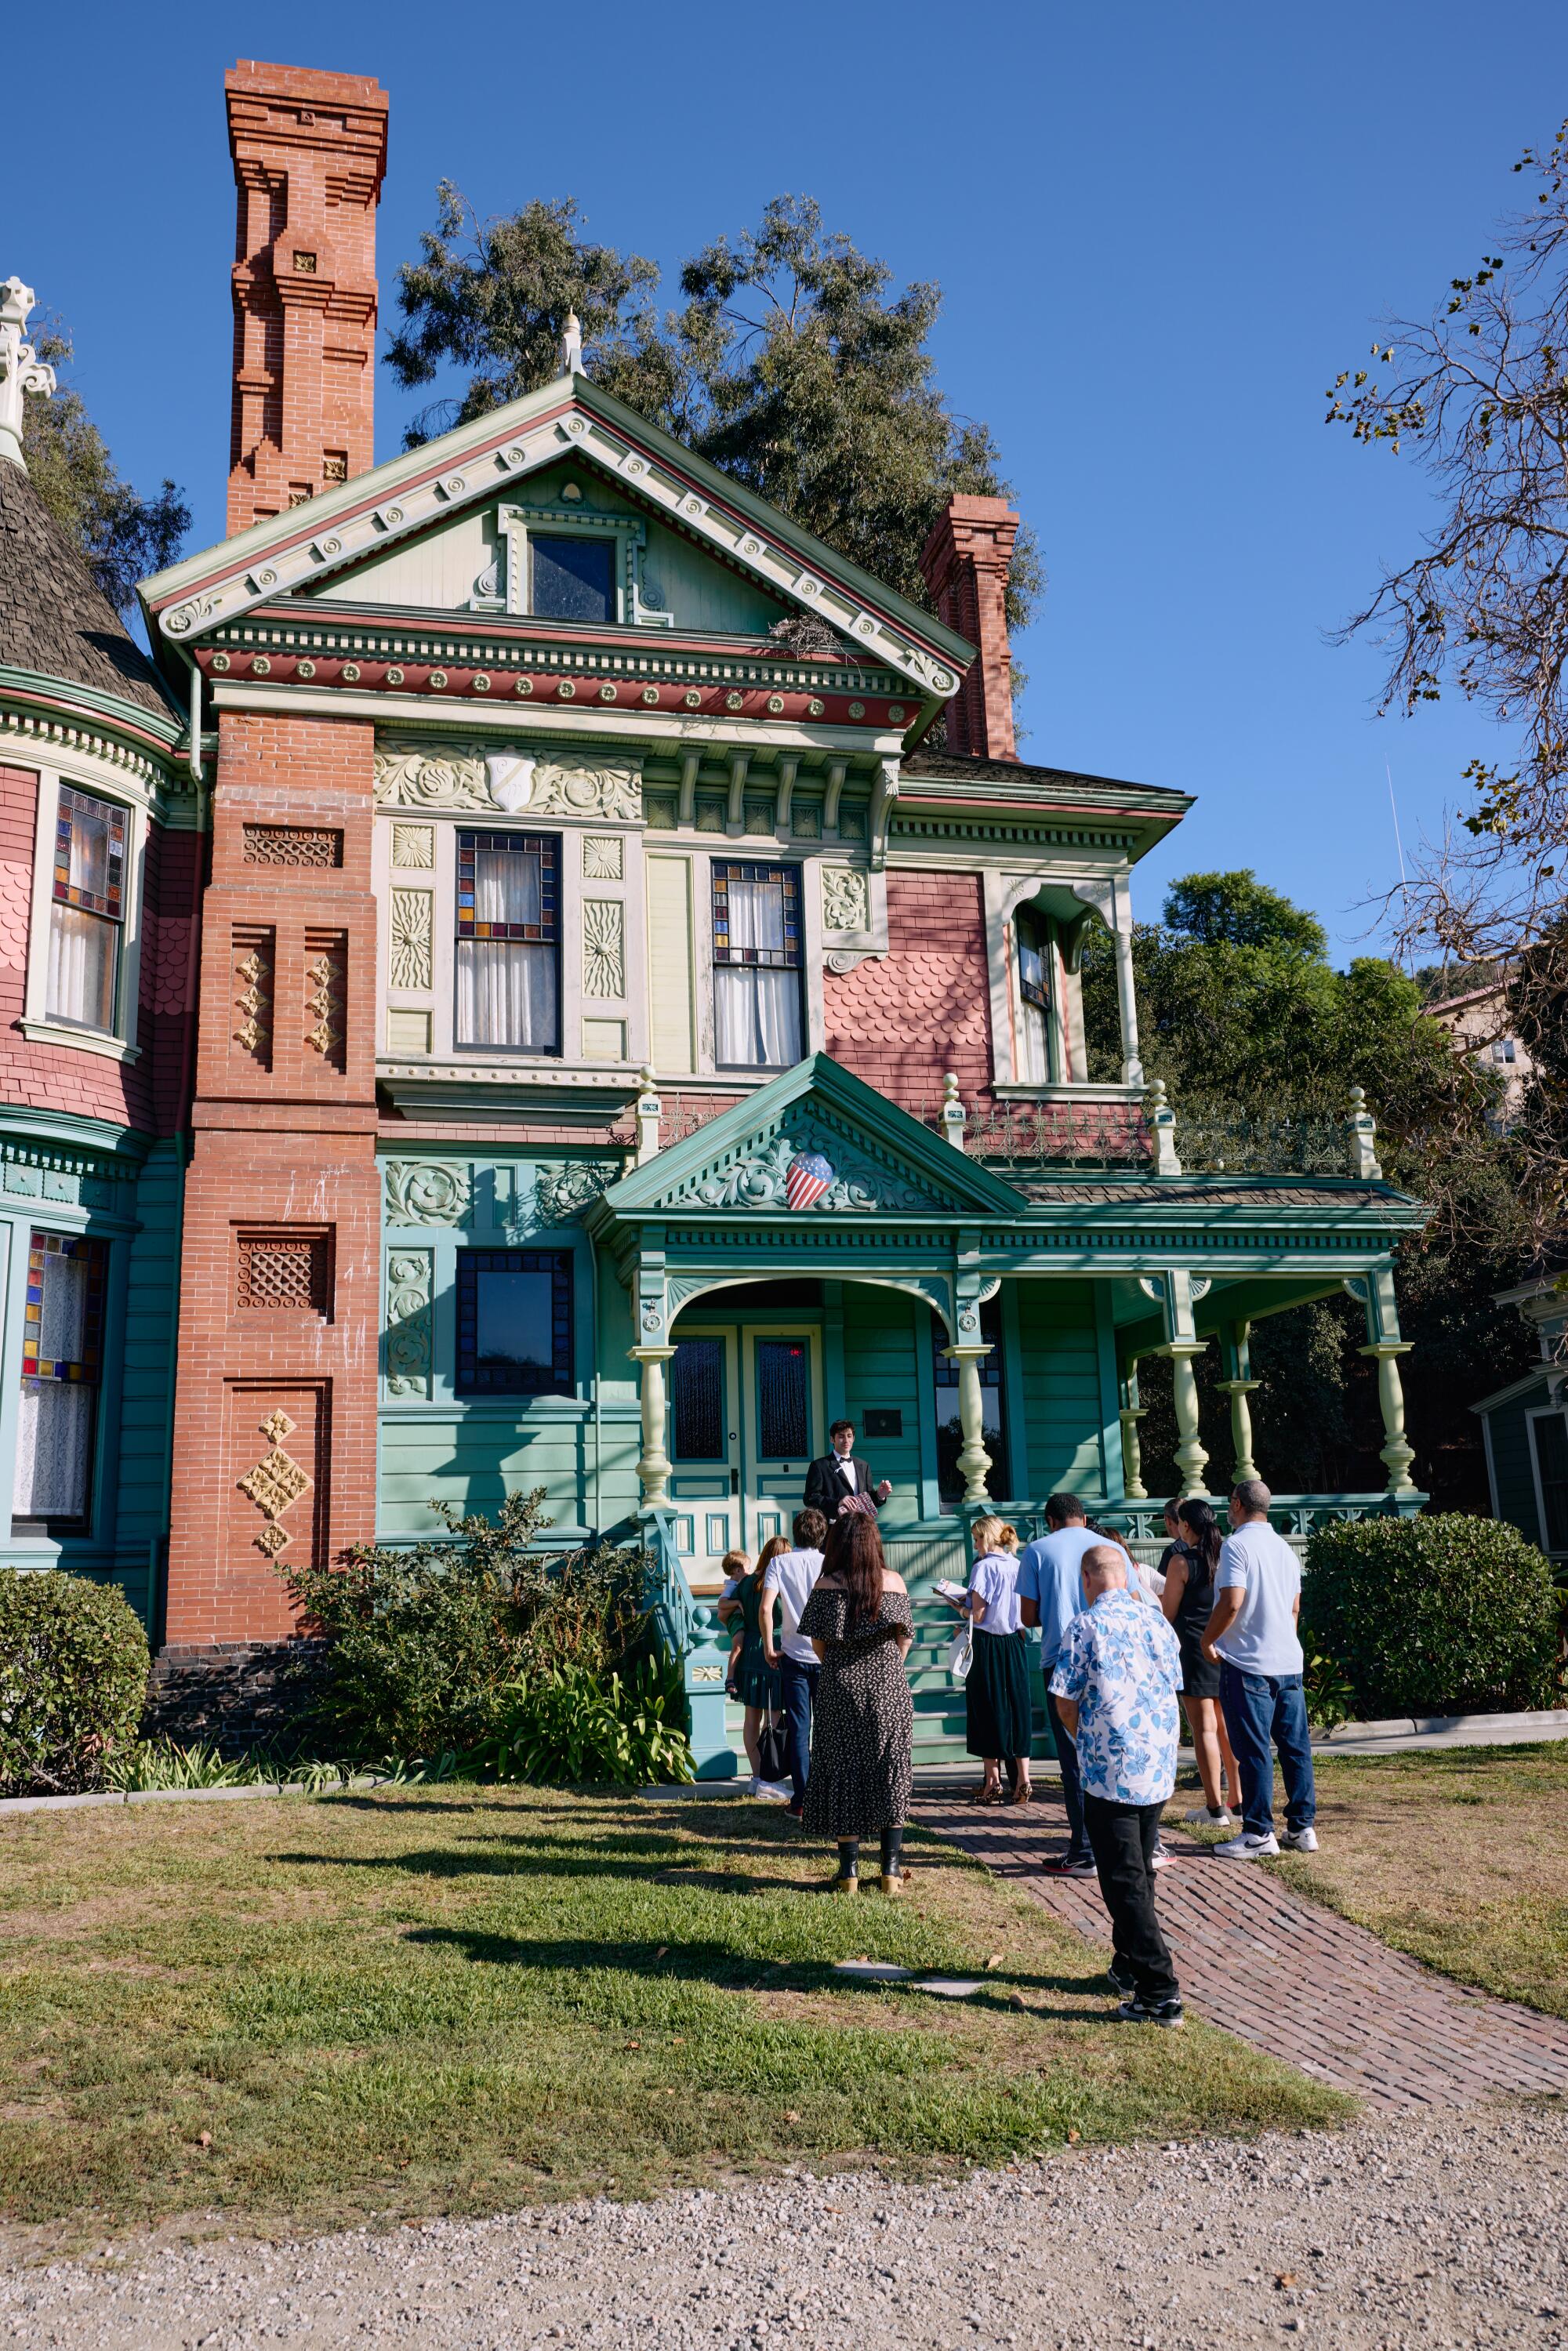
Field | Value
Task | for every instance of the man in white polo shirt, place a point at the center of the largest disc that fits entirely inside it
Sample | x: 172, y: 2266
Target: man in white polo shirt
x: 1252, y: 1636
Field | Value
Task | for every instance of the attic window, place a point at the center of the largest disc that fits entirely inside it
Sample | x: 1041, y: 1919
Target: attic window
x: 573, y: 580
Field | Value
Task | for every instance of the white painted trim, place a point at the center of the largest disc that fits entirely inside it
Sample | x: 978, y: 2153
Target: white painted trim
x: 119, y: 1044
x: 1491, y: 1466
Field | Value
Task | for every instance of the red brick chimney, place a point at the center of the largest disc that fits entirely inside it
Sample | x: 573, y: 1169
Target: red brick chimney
x: 309, y: 153
x: 965, y: 562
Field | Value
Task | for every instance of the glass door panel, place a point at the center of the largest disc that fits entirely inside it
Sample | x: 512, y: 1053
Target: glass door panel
x: 782, y: 1421
x: 704, y: 1453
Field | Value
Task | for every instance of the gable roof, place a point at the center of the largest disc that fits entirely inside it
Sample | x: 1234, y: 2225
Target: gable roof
x: 887, y: 1162
x: 54, y: 620
x: 467, y: 467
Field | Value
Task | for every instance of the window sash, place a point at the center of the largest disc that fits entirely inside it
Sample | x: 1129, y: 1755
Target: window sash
x: 493, y: 904
x: 574, y: 578
x: 89, y: 855
x: 756, y: 916
x: 757, y: 1018
x: 62, y: 1364
x: 1034, y: 982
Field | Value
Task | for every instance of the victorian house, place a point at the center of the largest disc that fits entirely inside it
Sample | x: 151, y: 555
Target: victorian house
x: 553, y: 976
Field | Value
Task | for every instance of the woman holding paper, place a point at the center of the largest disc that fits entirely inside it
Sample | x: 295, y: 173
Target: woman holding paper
x: 998, y: 1699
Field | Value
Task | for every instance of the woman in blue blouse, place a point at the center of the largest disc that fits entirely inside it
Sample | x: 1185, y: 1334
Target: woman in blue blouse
x: 998, y: 1702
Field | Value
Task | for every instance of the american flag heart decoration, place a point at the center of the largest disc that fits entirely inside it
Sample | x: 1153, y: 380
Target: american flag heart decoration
x: 806, y: 1179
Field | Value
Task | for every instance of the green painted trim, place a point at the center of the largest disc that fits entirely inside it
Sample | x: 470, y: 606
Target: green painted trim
x: 925, y: 1388
x: 59, y: 1133
x: 1014, y: 1427
x: 1114, y: 1469
x: 165, y: 729
x: 833, y: 1376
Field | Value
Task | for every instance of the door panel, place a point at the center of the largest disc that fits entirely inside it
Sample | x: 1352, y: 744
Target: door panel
x: 706, y: 1452
x: 781, y: 1423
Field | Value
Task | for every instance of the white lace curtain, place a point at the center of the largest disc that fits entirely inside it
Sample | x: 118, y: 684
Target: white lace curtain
x: 506, y: 988
x: 1035, y: 1049
x: 756, y: 1009
x: 55, y: 1427
x: 84, y: 947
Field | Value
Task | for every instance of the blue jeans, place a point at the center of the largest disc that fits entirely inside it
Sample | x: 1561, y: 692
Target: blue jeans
x: 1257, y: 1709
x: 1078, y: 1846
x: 799, y: 1688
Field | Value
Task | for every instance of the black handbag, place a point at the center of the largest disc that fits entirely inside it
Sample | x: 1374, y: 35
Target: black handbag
x: 772, y: 1758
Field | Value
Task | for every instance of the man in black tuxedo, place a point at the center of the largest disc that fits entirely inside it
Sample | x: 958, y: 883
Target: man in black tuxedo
x: 831, y: 1482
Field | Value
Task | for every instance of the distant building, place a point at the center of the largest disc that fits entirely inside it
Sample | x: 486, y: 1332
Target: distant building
x: 1478, y: 1022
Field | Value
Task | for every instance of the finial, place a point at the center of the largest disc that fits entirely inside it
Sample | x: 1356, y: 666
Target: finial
x: 650, y: 1114
x: 954, y: 1115
x: 21, y: 370
x: 1361, y: 1134
x: 1162, y: 1125
x: 1156, y: 1097
x: 571, y: 346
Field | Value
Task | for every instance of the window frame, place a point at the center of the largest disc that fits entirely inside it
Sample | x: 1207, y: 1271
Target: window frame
x: 470, y: 842
x: 608, y: 548
x: 44, y: 1241
x: 38, y: 1025
x: 722, y: 872
x: 517, y: 1379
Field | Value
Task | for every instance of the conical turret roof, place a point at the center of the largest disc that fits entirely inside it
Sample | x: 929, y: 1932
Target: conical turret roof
x: 53, y: 619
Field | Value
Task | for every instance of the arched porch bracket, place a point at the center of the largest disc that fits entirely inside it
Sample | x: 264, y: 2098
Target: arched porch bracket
x: 682, y: 1289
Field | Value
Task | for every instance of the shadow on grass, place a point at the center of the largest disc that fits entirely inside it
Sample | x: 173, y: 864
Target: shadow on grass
x: 715, y: 1964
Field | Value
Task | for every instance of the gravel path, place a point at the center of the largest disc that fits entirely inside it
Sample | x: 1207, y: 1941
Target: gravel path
x: 1427, y: 2231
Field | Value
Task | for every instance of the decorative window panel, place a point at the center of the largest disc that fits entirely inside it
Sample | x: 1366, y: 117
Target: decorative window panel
x: 514, y: 1323
x: 412, y: 939
x: 62, y: 1363
x: 603, y: 947
x: 285, y: 1272
x: 782, y: 1431
x: 509, y: 932
x: 291, y: 844
x: 696, y: 1396
x: 86, y: 911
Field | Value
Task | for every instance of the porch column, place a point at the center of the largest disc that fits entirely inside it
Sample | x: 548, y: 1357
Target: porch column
x: 1239, y: 1384
x: 974, y: 1461
x: 1384, y: 1347
x: 1127, y: 1005
x: 1129, y: 1412
x: 653, y: 1467
x: 1175, y: 1291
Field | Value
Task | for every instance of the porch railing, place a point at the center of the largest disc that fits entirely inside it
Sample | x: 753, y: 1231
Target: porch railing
x: 687, y: 1630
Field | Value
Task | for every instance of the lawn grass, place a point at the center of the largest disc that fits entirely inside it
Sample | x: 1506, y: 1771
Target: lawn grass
x: 315, y: 2011
x: 1458, y: 1855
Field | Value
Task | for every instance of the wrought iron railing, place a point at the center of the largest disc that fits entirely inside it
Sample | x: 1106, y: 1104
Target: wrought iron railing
x: 1024, y: 1138
x: 1252, y: 1146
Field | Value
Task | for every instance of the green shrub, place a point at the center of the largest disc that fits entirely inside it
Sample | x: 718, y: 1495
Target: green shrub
x: 572, y: 1727
x: 1432, y: 1616
x: 73, y: 1681
x: 422, y: 1649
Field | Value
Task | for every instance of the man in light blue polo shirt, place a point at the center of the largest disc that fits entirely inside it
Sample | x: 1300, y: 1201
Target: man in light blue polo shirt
x: 1252, y: 1635
x: 1050, y: 1594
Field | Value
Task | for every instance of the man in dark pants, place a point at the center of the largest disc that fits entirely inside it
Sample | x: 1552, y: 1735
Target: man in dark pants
x: 788, y: 1579
x: 1115, y: 1682
x: 1050, y: 1594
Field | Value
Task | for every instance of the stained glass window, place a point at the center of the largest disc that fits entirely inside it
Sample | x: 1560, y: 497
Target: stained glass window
x: 86, y: 912
x: 756, y: 965
x: 696, y: 1391
x: 782, y: 1427
x: 509, y: 931
x: 62, y: 1365
x: 514, y: 1323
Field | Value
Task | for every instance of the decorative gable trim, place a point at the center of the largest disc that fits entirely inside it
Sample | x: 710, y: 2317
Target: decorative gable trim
x: 465, y: 468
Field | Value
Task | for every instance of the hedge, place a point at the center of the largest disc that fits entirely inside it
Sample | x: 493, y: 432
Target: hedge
x: 1432, y: 1616
x: 73, y: 1681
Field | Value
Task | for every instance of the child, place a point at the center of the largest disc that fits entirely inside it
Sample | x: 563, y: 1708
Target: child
x: 729, y: 1612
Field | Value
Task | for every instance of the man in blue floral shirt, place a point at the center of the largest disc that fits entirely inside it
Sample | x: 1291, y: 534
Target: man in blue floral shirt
x: 1116, y: 1686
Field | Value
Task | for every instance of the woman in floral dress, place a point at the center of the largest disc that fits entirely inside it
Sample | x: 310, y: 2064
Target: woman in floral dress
x: 862, y: 1725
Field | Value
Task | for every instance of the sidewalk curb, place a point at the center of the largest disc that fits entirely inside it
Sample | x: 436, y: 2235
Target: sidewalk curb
x: 1551, y: 1722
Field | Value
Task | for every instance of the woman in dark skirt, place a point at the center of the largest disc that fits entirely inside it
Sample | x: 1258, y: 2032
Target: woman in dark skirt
x: 998, y: 1702
x: 757, y: 1685
x: 862, y: 1719
x: 1188, y: 1602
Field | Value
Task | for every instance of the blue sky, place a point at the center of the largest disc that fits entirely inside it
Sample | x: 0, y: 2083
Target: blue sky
x: 1160, y: 232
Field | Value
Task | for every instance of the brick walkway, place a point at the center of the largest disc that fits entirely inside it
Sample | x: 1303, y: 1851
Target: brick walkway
x: 1291, y: 1978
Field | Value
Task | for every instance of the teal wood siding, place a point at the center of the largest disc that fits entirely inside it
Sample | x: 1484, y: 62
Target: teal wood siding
x: 436, y: 1446
x: 1512, y: 1466
x: 147, y: 1380
x: 882, y: 1328
x: 1063, y: 1400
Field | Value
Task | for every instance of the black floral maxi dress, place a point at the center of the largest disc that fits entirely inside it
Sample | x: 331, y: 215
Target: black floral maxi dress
x: 863, y: 1721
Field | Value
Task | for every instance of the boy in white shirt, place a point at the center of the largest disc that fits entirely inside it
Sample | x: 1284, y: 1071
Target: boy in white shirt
x: 1252, y: 1635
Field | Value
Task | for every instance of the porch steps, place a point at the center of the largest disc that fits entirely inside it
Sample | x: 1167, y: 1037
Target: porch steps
x: 939, y: 1714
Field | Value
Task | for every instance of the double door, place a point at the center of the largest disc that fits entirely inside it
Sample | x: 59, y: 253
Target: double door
x: 746, y: 1418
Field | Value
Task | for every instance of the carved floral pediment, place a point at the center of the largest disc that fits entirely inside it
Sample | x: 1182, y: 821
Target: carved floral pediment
x: 759, y: 1178
x: 512, y: 782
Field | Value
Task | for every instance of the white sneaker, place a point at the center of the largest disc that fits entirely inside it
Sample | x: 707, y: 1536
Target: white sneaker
x: 1160, y: 1858
x: 1204, y: 1818
x: 1299, y: 1841
x: 1247, y: 1847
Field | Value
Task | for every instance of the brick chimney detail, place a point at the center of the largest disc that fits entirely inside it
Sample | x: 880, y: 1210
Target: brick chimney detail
x: 965, y: 560
x: 310, y: 154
